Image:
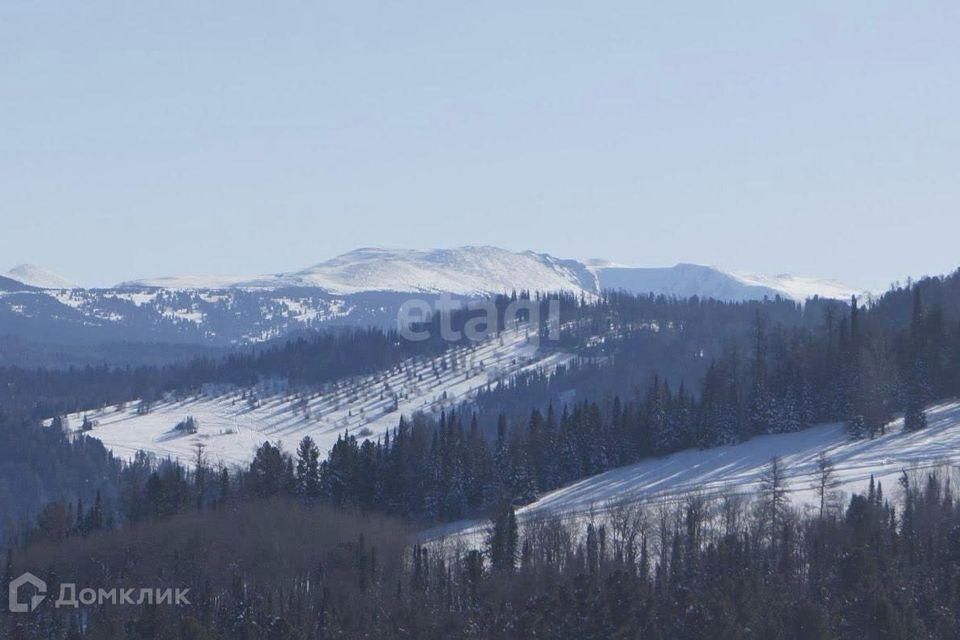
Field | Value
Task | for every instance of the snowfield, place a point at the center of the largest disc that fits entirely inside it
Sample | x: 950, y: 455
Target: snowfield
x: 233, y: 423
x: 738, y: 469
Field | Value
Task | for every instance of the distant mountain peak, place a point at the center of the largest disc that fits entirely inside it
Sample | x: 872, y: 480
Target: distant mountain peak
x: 482, y: 270
x: 40, y: 277
x: 467, y: 270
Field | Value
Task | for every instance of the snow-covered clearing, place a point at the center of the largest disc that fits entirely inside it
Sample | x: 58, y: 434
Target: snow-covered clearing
x: 738, y: 468
x: 233, y: 423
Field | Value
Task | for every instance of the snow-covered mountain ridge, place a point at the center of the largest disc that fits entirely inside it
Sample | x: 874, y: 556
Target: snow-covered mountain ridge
x: 365, y: 287
x: 475, y: 270
x: 467, y: 271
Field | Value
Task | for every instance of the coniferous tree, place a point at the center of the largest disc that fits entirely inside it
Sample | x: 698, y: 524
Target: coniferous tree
x: 915, y: 377
x: 267, y: 471
x: 762, y: 412
x: 503, y: 539
x: 308, y: 469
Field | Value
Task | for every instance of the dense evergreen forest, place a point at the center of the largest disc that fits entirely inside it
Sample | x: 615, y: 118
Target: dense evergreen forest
x: 881, y: 565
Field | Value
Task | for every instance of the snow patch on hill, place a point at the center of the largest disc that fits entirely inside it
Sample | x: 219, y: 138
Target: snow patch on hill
x: 688, y: 280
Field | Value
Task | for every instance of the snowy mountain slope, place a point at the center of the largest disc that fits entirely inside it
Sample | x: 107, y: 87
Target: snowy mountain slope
x: 682, y: 281
x: 799, y: 287
x: 466, y: 271
x: 232, y: 423
x: 40, y: 277
x: 738, y: 468
x: 687, y: 280
x: 219, y: 317
x: 462, y: 271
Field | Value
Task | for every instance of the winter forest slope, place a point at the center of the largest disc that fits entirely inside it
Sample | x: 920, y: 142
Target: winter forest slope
x: 232, y: 422
x: 739, y: 469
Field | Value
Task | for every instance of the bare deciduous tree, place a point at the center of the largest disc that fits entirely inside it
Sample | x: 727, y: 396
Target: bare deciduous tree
x: 773, y: 497
x: 825, y: 484
x: 627, y: 524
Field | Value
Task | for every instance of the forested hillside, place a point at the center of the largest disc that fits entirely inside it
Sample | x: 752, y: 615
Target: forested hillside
x: 857, y: 367
x: 768, y: 367
x: 879, y: 567
x: 729, y: 371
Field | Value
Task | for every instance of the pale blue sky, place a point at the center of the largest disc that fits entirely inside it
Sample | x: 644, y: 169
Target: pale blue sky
x: 150, y: 138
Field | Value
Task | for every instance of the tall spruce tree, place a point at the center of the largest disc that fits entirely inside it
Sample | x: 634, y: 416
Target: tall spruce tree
x: 308, y: 469
x: 503, y: 539
x: 915, y: 379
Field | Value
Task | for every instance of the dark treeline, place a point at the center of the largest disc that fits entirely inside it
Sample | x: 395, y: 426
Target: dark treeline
x: 885, y: 565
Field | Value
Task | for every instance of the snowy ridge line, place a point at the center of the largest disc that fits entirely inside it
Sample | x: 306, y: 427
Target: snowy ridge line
x: 234, y: 422
x: 737, y: 469
x: 485, y: 270
x: 363, y: 288
x: 468, y: 270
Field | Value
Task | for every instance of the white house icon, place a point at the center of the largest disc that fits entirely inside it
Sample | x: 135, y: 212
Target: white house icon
x: 28, y: 578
